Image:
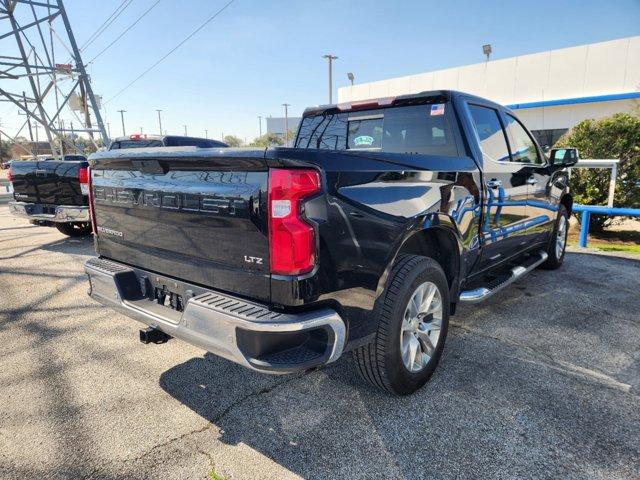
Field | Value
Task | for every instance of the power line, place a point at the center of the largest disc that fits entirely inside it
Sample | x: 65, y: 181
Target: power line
x: 125, y: 31
x: 107, y: 23
x: 208, y: 20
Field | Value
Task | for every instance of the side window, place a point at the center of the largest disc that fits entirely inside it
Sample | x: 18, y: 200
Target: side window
x: 492, y: 138
x: 523, y: 148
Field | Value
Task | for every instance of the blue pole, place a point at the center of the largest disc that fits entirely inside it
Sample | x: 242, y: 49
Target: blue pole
x: 584, y: 227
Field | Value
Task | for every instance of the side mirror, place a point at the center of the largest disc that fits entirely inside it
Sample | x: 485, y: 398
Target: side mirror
x: 564, y: 156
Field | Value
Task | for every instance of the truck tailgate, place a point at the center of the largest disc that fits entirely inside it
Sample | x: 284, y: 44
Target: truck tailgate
x: 187, y: 214
x: 48, y: 182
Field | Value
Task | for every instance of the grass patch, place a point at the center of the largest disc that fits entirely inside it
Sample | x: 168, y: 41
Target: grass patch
x: 627, y: 241
x: 214, y: 476
x: 609, y: 246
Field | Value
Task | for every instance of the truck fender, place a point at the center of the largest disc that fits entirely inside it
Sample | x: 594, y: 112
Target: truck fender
x: 419, y: 238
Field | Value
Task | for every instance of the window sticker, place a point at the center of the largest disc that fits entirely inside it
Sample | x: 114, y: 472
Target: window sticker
x: 437, y: 109
x: 363, y: 141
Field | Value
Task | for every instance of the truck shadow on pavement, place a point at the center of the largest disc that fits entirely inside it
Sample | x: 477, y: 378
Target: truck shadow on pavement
x: 516, y: 396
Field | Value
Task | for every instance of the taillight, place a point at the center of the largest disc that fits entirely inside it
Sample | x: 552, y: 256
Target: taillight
x: 292, y: 245
x: 10, y: 175
x: 92, y: 210
x: 83, y: 177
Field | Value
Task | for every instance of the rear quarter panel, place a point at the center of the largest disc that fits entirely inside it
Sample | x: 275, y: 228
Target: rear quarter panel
x: 373, y: 203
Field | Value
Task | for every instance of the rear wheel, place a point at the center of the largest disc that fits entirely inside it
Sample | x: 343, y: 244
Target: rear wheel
x: 412, y: 327
x: 74, y: 229
x: 558, y: 241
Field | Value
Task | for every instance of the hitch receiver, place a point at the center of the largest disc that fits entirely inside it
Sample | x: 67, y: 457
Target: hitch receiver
x: 153, y: 335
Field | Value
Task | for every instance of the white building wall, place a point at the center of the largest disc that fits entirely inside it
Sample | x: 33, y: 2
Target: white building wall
x: 596, y: 69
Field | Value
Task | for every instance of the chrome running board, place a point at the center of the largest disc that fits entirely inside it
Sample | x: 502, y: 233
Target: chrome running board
x: 482, y: 293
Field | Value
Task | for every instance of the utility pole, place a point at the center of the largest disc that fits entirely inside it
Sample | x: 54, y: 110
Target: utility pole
x: 331, y: 58
x: 260, y: 124
x: 159, y: 121
x: 185, y: 130
x: 206, y: 134
x: 286, y: 122
x: 124, y: 132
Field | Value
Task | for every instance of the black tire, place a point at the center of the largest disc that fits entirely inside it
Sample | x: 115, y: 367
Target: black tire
x: 555, y: 260
x: 74, y: 229
x: 380, y: 362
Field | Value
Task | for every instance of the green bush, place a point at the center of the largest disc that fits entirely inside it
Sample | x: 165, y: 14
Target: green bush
x: 618, y: 137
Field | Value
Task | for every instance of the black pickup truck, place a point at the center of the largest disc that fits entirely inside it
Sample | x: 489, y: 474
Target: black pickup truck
x: 365, y: 236
x: 54, y: 192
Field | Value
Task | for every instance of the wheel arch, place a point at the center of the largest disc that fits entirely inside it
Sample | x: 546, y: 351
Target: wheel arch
x: 439, y: 244
x: 439, y: 240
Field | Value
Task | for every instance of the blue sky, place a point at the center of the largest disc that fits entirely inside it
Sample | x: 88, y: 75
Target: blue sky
x: 258, y: 54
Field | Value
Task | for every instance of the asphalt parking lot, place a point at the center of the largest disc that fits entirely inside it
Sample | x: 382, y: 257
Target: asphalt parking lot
x: 542, y: 381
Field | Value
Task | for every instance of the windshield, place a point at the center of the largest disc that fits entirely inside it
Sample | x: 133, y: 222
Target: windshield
x: 423, y: 129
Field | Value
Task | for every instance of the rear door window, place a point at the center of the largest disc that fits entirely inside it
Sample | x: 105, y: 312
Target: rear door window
x: 491, y: 136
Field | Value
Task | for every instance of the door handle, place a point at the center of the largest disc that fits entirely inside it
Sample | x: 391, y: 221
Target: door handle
x: 532, y: 180
x: 494, y: 183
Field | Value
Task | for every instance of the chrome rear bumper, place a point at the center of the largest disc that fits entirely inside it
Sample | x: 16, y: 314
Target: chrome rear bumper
x: 245, y: 332
x: 62, y: 213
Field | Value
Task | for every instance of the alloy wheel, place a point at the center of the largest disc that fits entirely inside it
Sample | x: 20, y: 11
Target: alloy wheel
x: 421, y: 327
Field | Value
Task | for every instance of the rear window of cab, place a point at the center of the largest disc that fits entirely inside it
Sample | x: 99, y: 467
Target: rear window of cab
x: 419, y: 129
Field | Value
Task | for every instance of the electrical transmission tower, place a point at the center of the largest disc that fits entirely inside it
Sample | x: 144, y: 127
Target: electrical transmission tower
x: 42, y: 74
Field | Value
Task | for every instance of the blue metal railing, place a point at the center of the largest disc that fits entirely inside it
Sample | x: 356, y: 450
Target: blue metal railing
x: 587, y: 210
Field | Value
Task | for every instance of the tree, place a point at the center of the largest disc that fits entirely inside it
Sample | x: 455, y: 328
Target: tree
x: 232, y: 141
x: 5, y: 150
x: 289, y: 136
x: 617, y: 136
x: 266, y: 140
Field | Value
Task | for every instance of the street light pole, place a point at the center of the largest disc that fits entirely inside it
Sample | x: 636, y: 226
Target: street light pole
x: 159, y: 121
x: 124, y: 132
x: 206, y: 134
x: 260, y: 124
x: 331, y: 58
x: 286, y: 122
x: 185, y: 130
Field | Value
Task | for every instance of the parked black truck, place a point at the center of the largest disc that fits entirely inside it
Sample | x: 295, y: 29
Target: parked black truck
x: 364, y: 237
x: 54, y: 192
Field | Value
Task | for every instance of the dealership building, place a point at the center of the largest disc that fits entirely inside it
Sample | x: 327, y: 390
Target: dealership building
x: 550, y: 91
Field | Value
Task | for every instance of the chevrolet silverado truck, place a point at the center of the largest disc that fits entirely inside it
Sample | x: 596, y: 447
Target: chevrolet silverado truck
x: 54, y: 192
x: 364, y: 237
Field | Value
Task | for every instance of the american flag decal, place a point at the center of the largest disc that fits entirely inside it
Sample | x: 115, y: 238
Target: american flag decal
x: 437, y: 109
